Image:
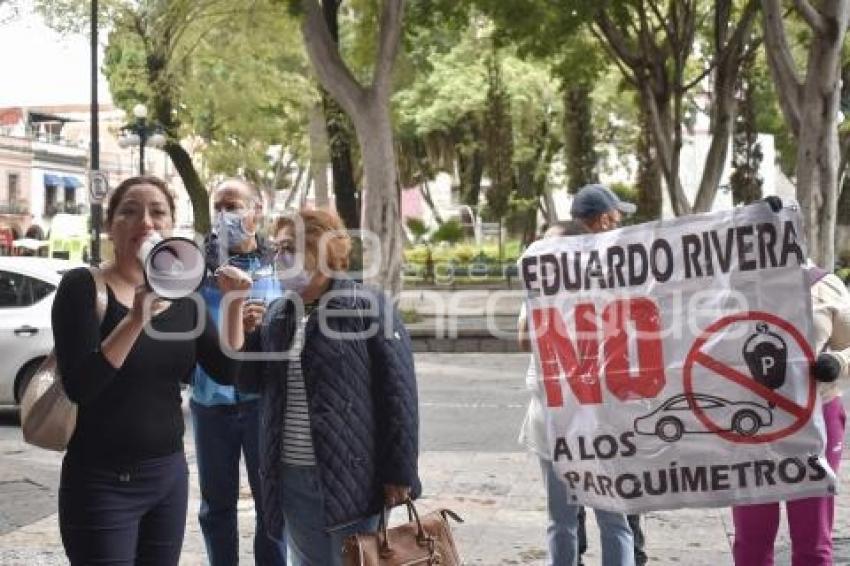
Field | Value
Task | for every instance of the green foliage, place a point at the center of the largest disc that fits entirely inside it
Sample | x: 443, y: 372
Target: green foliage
x: 450, y: 232
x: 441, y: 109
x: 410, y: 316
x: 253, y: 96
x: 417, y: 228
x: 240, y: 100
x: 464, y: 253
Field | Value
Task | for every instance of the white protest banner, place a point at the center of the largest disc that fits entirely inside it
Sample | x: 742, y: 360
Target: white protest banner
x: 674, y: 359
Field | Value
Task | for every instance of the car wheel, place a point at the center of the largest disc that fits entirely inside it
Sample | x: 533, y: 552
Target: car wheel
x: 669, y: 429
x: 746, y: 423
x: 24, y: 377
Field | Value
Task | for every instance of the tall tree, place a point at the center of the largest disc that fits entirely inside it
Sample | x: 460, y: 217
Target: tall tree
x: 746, y: 150
x: 649, y: 188
x: 368, y: 106
x: 340, y: 137
x: 156, y: 40
x: 579, y: 141
x: 810, y: 106
x: 499, y: 142
x: 653, y: 49
x: 654, y: 46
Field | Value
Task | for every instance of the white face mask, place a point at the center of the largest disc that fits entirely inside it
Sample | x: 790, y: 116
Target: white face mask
x: 290, y: 279
x: 230, y: 228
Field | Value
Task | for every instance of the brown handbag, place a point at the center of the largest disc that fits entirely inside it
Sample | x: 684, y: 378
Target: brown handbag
x: 419, y: 542
x: 48, y: 417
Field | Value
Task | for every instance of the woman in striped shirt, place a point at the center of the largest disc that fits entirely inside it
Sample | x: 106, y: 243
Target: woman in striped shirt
x: 340, y: 428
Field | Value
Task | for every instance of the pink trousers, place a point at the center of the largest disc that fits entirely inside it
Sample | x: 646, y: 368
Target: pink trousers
x: 809, y: 520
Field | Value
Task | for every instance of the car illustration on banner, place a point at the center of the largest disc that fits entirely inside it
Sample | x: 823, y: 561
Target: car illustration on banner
x: 676, y: 416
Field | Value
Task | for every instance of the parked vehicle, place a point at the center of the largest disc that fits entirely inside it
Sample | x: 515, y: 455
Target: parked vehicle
x: 69, y: 237
x: 27, y: 288
x: 676, y: 416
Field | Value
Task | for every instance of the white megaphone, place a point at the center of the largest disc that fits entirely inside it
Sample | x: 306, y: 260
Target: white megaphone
x: 174, y: 267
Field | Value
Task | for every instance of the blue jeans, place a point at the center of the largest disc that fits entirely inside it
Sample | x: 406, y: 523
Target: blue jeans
x: 310, y: 543
x: 562, y: 531
x: 223, y: 433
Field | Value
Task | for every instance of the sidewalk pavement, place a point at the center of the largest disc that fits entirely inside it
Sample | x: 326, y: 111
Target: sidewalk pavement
x: 500, y: 497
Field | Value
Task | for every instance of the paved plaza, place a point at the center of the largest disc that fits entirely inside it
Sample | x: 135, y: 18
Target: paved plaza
x: 471, y: 408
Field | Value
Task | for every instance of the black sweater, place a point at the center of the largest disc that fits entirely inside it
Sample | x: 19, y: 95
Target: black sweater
x: 131, y: 413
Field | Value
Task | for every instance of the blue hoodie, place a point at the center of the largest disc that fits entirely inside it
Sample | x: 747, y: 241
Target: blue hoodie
x: 266, y: 286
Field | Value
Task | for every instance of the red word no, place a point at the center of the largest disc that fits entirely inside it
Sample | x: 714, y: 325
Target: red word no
x: 580, y: 363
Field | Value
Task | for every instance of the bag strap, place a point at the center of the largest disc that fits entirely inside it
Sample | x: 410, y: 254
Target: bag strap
x: 423, y: 539
x: 100, y: 295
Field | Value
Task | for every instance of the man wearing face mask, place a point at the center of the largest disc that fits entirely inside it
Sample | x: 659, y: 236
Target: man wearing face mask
x: 226, y: 421
x: 596, y: 208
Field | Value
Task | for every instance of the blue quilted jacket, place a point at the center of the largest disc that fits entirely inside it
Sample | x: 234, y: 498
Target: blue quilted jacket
x: 362, y: 400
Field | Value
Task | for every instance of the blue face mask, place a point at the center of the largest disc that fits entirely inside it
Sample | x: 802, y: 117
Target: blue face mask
x: 230, y: 229
x: 290, y: 278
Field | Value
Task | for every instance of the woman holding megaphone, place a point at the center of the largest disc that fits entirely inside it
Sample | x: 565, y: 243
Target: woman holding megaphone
x: 124, y: 487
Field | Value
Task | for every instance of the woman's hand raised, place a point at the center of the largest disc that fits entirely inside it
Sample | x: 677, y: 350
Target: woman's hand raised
x: 230, y: 278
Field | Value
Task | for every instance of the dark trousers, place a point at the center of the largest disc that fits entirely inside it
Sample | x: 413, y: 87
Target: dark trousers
x: 223, y: 434
x: 637, y: 533
x: 134, y: 515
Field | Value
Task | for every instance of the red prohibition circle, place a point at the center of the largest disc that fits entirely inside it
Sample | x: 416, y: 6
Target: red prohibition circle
x: 695, y: 355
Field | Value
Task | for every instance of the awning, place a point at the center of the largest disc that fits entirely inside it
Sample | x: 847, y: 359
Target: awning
x: 72, y: 182
x: 45, y: 117
x: 52, y: 180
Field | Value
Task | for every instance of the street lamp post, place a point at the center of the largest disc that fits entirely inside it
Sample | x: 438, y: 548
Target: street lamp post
x: 94, y: 165
x: 141, y: 133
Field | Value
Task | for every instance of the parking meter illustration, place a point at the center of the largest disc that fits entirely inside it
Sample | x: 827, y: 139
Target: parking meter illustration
x: 766, y: 355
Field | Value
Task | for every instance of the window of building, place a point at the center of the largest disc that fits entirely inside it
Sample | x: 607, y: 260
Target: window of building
x: 50, y: 200
x: 13, y: 187
x: 70, y: 196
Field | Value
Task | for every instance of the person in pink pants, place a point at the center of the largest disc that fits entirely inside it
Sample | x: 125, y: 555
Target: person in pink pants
x: 810, y: 519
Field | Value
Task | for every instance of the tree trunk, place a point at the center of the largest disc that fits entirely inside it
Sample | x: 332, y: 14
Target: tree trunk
x: 197, y: 193
x: 319, y: 155
x: 425, y: 191
x: 842, y: 217
x: 818, y: 151
x: 661, y: 127
x: 724, y: 102
x: 369, y: 109
x: 579, y: 142
x: 342, y: 167
x: 649, y: 174
x: 470, y: 159
x: 339, y: 137
x: 723, y: 120
x: 381, y: 214
x: 811, y: 110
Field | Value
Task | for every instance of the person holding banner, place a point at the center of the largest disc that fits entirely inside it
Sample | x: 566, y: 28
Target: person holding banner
x: 565, y: 532
x: 810, y: 519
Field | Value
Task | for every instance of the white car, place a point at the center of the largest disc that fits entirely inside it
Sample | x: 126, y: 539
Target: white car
x: 27, y: 288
